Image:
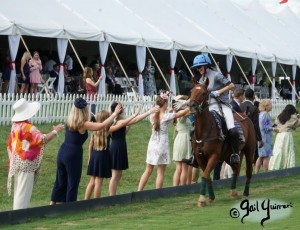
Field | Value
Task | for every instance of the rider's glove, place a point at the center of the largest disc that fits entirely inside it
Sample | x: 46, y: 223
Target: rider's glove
x: 214, y: 93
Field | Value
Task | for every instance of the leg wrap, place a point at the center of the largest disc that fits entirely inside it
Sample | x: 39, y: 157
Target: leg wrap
x: 203, y: 186
x: 233, y: 181
x: 247, y: 188
x: 211, y: 193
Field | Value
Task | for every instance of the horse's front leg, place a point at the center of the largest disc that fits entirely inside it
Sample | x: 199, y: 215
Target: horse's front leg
x: 207, y: 182
x: 233, y: 191
x: 249, y: 170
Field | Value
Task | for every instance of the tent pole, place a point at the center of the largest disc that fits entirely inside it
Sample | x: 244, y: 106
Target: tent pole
x: 24, y: 43
x: 160, y: 70
x: 22, y: 39
x: 76, y: 54
x: 130, y: 85
x: 186, y: 64
x: 242, y: 71
x: 216, y: 64
x: 289, y: 81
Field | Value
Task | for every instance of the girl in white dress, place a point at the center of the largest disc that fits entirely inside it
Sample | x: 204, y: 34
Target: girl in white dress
x: 158, y: 152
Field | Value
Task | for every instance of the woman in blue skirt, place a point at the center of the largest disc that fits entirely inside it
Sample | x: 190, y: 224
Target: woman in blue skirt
x: 99, y: 160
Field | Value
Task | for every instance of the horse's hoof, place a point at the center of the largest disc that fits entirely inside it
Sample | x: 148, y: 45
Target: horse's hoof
x: 201, y: 204
x: 201, y: 201
x: 234, y: 193
x: 210, y: 201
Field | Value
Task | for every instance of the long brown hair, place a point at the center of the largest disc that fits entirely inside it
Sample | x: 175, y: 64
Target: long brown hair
x: 286, y: 114
x: 156, y: 121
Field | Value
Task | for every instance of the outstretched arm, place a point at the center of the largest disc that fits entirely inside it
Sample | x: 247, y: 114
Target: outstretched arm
x: 143, y: 115
x: 121, y: 123
x: 94, y: 126
x: 182, y: 113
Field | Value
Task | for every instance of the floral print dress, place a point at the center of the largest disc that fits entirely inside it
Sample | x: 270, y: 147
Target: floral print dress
x: 25, y: 150
x: 158, y: 151
x: 266, y: 129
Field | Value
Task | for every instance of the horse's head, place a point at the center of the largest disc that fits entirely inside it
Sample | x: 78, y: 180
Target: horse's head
x: 198, y: 98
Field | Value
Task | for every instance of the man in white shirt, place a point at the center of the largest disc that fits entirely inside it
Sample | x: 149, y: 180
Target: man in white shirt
x: 69, y: 62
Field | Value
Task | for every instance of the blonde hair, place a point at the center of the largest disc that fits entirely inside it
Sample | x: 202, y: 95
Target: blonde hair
x: 263, y: 104
x: 156, y: 121
x: 100, y: 136
x: 77, y: 117
x: 26, y: 56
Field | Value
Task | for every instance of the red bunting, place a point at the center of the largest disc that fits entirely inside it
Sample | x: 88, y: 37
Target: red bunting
x: 11, y: 67
x: 283, y: 1
x: 252, y: 79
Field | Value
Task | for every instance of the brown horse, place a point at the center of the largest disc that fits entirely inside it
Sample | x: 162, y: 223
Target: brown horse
x: 209, y: 148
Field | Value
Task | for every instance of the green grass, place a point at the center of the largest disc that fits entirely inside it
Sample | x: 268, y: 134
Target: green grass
x: 150, y: 215
x: 181, y: 212
x: 137, y: 141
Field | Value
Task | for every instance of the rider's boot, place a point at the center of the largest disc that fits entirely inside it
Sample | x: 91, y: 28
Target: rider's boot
x: 234, y: 140
x: 191, y: 161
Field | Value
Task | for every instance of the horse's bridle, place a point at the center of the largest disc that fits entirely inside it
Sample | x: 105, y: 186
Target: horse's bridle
x: 200, y: 106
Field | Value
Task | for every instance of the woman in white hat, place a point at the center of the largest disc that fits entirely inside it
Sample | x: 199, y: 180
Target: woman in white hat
x: 25, y: 150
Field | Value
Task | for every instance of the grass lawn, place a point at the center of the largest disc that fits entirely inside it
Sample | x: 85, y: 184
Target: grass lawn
x: 137, y: 140
x: 181, y: 212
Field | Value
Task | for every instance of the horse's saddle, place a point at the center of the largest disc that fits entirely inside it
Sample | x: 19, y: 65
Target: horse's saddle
x: 223, y: 128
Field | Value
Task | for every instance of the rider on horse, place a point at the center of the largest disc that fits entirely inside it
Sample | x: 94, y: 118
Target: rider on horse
x: 219, y: 87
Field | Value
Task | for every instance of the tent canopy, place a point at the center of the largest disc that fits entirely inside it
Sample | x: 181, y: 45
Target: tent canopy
x: 262, y: 29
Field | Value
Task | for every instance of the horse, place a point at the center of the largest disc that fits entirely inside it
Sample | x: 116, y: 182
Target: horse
x: 209, y: 148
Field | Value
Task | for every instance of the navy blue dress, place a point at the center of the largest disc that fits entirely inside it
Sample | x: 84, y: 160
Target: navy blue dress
x: 99, y: 164
x: 69, y: 167
x: 118, y: 150
x: 26, y: 70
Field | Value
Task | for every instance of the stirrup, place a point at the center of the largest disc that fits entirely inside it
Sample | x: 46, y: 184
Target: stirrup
x: 234, y: 158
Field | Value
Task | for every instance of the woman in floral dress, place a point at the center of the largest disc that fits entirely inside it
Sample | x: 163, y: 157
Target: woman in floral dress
x: 149, y: 79
x: 158, y: 152
x: 266, y: 129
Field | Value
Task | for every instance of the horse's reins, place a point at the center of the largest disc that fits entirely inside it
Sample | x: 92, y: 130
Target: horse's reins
x: 199, y: 109
x: 229, y: 106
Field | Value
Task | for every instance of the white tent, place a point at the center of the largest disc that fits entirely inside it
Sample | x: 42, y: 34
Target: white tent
x: 256, y: 29
x: 245, y: 28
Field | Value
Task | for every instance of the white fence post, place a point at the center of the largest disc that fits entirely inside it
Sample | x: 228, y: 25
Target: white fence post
x: 55, y: 108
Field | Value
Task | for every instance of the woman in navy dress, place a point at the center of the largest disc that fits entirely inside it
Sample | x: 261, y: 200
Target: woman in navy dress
x: 69, y: 159
x: 24, y: 80
x: 118, y: 147
x: 99, y: 160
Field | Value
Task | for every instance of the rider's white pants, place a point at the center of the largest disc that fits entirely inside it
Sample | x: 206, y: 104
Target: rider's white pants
x: 226, y: 110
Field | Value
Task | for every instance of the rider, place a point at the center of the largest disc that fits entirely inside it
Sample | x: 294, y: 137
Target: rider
x: 219, y: 87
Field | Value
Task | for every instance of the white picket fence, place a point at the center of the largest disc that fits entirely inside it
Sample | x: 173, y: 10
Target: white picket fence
x: 55, y: 108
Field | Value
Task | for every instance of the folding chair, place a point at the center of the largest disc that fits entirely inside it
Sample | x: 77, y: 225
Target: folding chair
x: 122, y: 83
x: 47, y: 86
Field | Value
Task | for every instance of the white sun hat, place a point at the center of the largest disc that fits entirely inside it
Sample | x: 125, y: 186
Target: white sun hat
x: 24, y: 110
